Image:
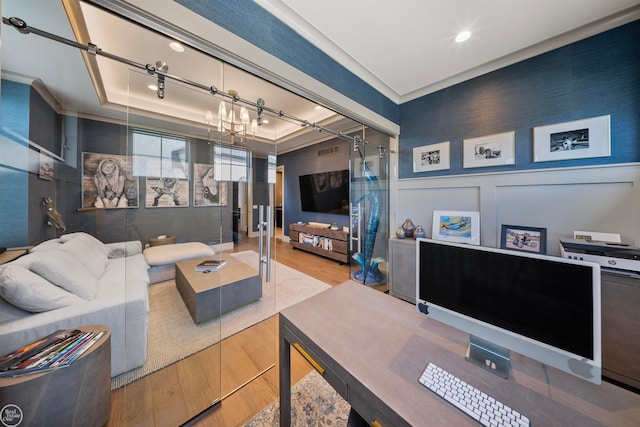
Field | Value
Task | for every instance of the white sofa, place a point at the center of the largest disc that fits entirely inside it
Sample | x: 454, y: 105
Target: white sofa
x: 73, y: 281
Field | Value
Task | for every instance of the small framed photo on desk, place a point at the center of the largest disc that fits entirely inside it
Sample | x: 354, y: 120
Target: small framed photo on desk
x: 524, y: 239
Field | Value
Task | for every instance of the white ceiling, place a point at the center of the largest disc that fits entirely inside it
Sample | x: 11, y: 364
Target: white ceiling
x: 403, y: 48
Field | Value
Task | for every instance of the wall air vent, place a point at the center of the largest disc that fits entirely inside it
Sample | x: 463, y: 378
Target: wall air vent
x: 328, y: 151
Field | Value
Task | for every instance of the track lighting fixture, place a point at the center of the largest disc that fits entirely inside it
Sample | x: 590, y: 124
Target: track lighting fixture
x: 161, y: 67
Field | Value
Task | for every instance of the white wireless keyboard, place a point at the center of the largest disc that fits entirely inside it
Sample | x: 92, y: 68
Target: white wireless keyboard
x: 473, y: 402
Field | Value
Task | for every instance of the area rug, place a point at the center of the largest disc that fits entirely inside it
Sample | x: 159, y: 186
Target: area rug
x: 172, y: 335
x: 314, y: 403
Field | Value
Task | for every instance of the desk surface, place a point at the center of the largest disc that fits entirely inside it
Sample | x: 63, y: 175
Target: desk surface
x: 373, y: 342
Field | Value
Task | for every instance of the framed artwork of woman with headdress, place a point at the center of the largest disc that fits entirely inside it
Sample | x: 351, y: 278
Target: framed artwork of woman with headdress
x: 108, y: 181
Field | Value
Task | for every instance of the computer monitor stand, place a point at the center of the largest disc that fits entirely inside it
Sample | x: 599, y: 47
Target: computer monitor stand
x: 489, y: 356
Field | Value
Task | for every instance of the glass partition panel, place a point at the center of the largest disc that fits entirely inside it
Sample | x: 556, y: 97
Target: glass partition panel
x: 245, y: 161
x: 153, y: 167
x: 184, y: 220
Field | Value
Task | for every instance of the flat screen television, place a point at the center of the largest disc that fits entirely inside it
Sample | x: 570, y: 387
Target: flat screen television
x: 325, y: 192
x: 544, y: 307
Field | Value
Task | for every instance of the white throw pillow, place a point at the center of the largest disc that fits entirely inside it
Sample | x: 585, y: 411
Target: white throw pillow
x: 46, y: 245
x: 86, y: 253
x: 30, y: 292
x: 87, y: 238
x: 61, y: 269
x: 124, y: 249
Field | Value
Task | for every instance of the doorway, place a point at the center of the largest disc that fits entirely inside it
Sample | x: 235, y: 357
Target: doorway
x: 279, y: 203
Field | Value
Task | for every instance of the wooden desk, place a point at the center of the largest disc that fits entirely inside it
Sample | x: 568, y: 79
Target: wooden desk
x: 373, y: 348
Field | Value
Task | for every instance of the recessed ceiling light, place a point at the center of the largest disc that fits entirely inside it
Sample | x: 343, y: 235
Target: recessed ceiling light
x: 153, y: 87
x: 318, y: 107
x: 463, y: 36
x: 176, y: 46
x: 265, y: 121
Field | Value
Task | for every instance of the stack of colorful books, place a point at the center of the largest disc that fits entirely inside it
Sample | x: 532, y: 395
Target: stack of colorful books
x: 58, y: 350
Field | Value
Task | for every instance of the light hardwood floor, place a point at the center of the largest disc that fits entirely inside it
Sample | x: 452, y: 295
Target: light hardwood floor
x: 181, y: 391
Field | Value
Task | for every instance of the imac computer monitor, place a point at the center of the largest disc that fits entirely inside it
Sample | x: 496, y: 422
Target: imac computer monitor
x: 546, y: 308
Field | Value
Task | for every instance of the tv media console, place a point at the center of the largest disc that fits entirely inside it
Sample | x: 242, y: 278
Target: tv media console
x: 339, y: 241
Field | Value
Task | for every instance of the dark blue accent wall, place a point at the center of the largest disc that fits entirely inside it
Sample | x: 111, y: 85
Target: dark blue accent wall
x: 246, y: 19
x: 593, y: 77
x: 198, y: 224
x: 304, y: 162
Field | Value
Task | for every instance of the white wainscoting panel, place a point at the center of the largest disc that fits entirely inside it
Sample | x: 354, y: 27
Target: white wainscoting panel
x: 605, y: 199
x: 419, y: 203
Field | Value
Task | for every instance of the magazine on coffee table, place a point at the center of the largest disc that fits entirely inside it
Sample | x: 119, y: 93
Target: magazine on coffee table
x: 211, y: 265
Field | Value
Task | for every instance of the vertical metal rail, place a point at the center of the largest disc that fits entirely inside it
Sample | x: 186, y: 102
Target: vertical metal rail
x: 262, y: 226
x: 269, y: 226
x: 260, y: 239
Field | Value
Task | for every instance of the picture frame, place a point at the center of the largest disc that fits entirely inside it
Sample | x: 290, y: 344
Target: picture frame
x: 46, y: 168
x: 490, y: 150
x: 578, y: 139
x: 456, y: 226
x: 524, y: 239
x: 207, y: 191
x: 166, y: 193
x: 431, y: 157
x: 108, y: 181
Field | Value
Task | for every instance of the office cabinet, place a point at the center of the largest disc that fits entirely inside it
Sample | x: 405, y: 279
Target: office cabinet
x: 621, y: 327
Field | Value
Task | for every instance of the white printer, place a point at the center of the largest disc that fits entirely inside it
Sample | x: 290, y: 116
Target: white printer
x: 609, y: 255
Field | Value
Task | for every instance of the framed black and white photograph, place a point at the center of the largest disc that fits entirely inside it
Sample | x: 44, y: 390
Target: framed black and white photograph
x: 431, y: 157
x: 456, y: 226
x: 207, y: 190
x: 524, y: 239
x: 166, y: 192
x: 491, y: 150
x: 579, y: 139
x: 108, y: 181
x: 46, y: 167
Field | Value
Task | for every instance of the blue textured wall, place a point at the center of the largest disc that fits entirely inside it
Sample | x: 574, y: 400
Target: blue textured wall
x: 246, y: 19
x: 593, y: 77
x: 14, y: 156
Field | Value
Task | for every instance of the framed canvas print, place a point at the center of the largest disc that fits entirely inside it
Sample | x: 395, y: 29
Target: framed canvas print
x: 456, y: 226
x: 431, y: 157
x: 207, y: 191
x: 108, y: 181
x: 492, y: 150
x: 524, y: 239
x: 167, y: 192
x: 578, y: 139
